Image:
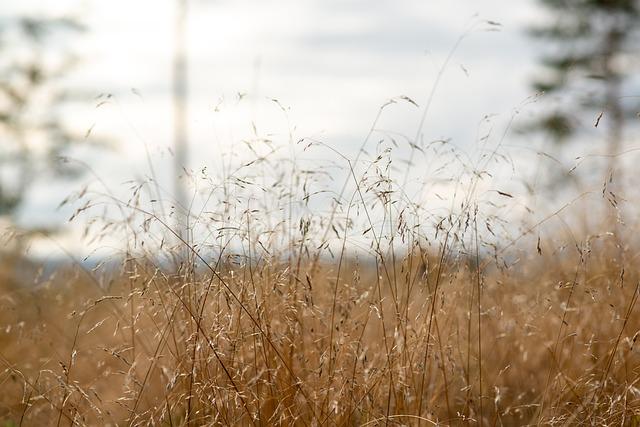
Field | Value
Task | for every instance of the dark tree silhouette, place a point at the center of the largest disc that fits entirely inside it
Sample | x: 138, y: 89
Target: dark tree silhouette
x: 34, y: 57
x: 590, y: 46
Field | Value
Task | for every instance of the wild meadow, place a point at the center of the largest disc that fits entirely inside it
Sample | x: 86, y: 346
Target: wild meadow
x: 309, y: 286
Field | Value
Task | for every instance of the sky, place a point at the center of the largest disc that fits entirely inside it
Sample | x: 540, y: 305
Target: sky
x: 331, y: 64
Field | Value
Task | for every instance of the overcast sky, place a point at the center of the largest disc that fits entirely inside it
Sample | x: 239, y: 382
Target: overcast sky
x: 332, y: 63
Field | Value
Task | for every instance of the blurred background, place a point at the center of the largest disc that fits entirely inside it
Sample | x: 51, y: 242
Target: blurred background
x: 114, y: 93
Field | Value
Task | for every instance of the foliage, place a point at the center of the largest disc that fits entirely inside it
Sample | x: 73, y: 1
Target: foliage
x: 588, y: 51
x: 35, y: 58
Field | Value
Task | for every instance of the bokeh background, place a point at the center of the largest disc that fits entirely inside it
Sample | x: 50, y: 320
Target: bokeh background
x: 319, y: 212
x: 286, y: 69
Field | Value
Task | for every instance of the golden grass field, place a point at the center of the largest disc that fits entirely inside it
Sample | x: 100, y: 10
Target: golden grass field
x: 430, y: 341
x: 438, y: 324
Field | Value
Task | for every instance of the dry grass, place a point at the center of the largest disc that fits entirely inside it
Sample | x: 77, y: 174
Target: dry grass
x: 292, y: 304
x: 256, y: 344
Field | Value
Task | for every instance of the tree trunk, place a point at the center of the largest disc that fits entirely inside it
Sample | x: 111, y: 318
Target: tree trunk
x: 614, y: 184
x: 180, y: 95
